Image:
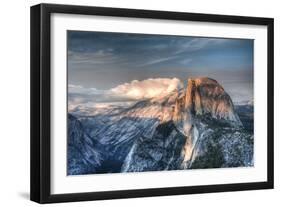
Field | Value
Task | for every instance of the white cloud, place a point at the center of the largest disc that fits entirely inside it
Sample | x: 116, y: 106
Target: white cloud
x: 148, y: 88
x: 85, y: 98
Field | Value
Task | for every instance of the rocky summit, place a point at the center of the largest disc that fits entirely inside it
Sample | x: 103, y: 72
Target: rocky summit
x: 193, y: 127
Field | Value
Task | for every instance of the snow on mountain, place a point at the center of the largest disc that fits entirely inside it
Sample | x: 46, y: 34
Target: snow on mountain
x: 178, y: 130
x: 203, y: 115
x: 93, y: 109
x: 83, y: 153
x: 118, y: 130
x: 241, y: 103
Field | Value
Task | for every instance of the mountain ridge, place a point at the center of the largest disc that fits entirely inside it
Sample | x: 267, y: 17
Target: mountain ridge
x: 197, y: 117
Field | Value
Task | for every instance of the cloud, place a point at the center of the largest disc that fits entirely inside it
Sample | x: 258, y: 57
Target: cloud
x: 186, y: 61
x: 78, y: 95
x: 99, y: 57
x: 196, y: 44
x: 80, y: 89
x: 177, y: 50
x: 135, y: 90
x: 148, y: 88
x: 159, y: 60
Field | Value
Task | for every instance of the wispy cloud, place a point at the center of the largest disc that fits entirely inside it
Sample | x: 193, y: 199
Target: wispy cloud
x: 131, y: 50
x: 196, y: 44
x: 80, y: 89
x: 102, y: 60
x: 186, y: 61
x: 157, y: 60
x: 100, y: 57
x: 177, y: 49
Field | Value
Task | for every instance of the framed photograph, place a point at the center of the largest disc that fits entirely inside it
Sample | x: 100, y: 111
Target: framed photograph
x: 132, y: 103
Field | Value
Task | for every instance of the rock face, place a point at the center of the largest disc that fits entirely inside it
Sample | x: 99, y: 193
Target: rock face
x: 205, y: 132
x: 206, y: 96
x: 196, y: 127
x: 203, y: 98
x: 83, y: 154
x: 160, y: 152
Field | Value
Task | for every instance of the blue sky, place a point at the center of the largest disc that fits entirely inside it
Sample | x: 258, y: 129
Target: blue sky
x: 102, y: 60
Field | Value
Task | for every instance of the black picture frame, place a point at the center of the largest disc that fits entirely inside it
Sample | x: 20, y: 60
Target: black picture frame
x: 41, y: 98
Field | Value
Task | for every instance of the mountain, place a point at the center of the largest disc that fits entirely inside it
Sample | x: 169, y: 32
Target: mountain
x: 196, y: 127
x: 83, y: 153
x: 246, y: 114
x: 205, y: 132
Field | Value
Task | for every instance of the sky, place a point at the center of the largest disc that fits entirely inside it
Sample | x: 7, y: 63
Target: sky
x: 137, y: 66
